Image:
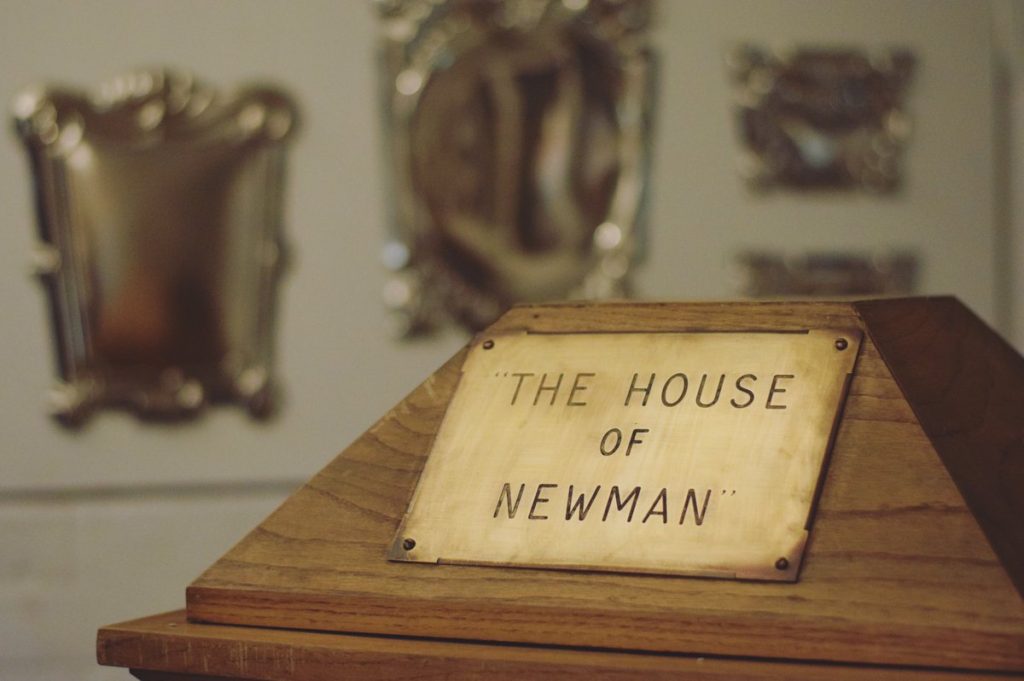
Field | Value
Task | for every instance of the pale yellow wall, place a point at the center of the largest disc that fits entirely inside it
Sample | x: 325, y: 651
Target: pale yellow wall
x: 113, y: 521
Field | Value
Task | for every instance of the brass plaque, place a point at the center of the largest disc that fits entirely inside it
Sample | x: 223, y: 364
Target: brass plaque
x: 695, y: 453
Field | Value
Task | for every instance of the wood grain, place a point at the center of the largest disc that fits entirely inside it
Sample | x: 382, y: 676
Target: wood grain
x: 168, y: 648
x: 897, y: 570
x: 966, y: 387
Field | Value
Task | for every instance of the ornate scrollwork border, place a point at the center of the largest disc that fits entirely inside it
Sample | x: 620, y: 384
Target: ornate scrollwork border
x: 421, y: 38
x: 817, y: 118
x: 141, y: 110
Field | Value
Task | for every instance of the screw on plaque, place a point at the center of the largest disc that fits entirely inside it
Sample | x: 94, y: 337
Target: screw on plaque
x: 488, y: 344
x: 842, y: 344
x: 409, y: 544
x: 782, y: 564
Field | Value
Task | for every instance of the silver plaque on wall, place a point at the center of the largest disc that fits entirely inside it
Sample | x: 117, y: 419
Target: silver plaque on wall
x: 518, y: 136
x: 812, y: 118
x: 159, y: 224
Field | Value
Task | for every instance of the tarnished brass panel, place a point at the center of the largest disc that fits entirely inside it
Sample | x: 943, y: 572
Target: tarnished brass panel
x: 679, y: 453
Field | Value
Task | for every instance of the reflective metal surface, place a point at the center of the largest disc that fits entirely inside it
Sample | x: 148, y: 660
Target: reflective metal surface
x: 822, y: 119
x: 160, y: 246
x: 518, y: 137
x: 766, y: 275
x: 675, y: 453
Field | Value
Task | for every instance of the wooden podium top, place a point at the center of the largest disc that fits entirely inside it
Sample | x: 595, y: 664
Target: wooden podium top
x: 916, y: 545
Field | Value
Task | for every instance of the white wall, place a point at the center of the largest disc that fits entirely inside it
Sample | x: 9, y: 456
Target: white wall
x: 72, y: 562
x: 702, y: 216
x: 112, y: 522
x: 1008, y: 34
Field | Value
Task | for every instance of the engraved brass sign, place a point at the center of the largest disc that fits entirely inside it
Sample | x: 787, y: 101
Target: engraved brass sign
x: 695, y: 453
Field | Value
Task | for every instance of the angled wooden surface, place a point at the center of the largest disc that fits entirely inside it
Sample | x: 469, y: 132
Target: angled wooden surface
x: 966, y: 387
x: 169, y: 648
x: 897, y: 570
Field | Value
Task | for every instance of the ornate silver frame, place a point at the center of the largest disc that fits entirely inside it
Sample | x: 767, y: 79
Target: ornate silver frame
x: 158, y: 204
x: 459, y: 248
x: 812, y: 118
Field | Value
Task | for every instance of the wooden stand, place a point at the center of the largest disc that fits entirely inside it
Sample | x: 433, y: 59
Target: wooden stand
x: 914, y: 568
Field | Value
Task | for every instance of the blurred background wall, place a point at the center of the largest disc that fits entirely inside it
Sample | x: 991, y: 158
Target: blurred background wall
x: 113, y: 521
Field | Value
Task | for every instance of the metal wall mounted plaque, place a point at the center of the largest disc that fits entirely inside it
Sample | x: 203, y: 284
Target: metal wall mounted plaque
x: 822, y: 118
x: 159, y: 204
x: 672, y: 453
x: 764, y: 274
x: 518, y: 138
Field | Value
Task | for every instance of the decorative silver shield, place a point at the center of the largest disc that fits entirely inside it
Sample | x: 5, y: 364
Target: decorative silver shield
x: 159, y: 213
x: 518, y: 134
x: 822, y: 119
